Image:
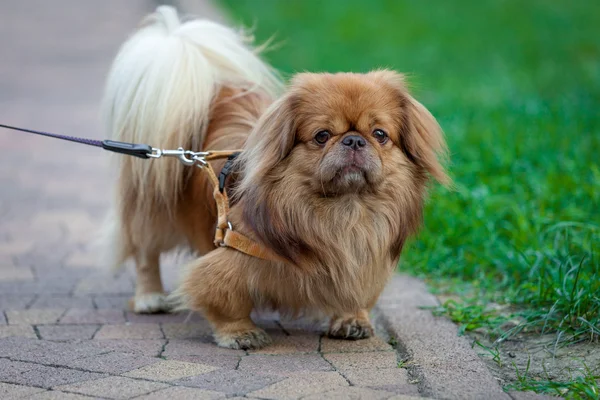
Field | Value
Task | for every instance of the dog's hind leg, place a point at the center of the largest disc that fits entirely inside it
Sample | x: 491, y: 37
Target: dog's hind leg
x: 217, y: 286
x: 150, y: 296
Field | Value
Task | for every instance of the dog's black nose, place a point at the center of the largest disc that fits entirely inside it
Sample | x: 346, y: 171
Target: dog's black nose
x: 354, y: 141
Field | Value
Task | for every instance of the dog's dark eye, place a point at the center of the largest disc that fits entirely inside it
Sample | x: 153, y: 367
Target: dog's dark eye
x: 380, y: 136
x: 322, y: 137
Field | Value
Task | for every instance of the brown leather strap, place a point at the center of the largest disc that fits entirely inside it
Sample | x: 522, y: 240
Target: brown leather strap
x: 242, y: 243
x: 219, y: 154
x: 224, y: 235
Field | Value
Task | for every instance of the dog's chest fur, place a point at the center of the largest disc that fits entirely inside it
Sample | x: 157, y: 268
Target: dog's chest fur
x: 346, y: 257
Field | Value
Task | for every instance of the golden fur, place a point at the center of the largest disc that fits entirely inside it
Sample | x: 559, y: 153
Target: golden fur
x: 337, y: 212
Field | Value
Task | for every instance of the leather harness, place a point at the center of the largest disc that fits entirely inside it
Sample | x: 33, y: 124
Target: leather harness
x: 225, y: 236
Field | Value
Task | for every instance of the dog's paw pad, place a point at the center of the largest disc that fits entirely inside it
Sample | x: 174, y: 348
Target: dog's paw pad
x: 350, y: 328
x: 245, y: 340
x: 151, y: 303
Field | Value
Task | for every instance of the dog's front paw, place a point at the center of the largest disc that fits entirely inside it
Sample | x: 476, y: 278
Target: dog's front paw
x: 352, y: 328
x: 151, y: 303
x: 244, y: 340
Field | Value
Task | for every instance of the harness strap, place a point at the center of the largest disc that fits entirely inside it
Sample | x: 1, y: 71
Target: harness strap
x: 225, y: 236
x: 242, y: 243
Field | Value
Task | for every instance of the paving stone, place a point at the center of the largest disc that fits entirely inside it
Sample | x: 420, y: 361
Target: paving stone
x: 12, y: 369
x: 22, y: 229
x: 197, y: 348
x: 230, y: 382
x: 17, y: 247
x: 291, y: 344
x: 529, y: 396
x: 34, y: 317
x: 17, y: 331
x: 14, y: 274
x: 170, y: 370
x: 182, y: 393
x: 407, y: 390
x: 82, y: 260
x: 174, y: 318
x: 47, y: 352
x: 56, y: 217
x: 57, y: 395
x: 114, y: 387
x: 104, y: 284
x: 351, y: 393
x: 113, y: 363
x: 128, y: 331
x: 15, y: 301
x: 377, y: 377
x: 84, y: 316
x: 62, y: 301
x: 284, y: 364
x: 10, y: 391
x: 6, y: 260
x: 84, y: 229
x: 77, y: 221
x: 377, y: 360
x: 300, y: 385
x: 45, y: 259
x: 47, y: 377
x: 47, y: 286
x: 44, y: 271
x: 67, y: 332
x: 119, y: 302
x: 215, y: 360
x: 200, y: 330
x: 374, y: 343
x: 150, y: 348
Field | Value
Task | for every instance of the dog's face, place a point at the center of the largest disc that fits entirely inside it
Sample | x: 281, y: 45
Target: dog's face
x: 348, y: 127
x: 344, y: 133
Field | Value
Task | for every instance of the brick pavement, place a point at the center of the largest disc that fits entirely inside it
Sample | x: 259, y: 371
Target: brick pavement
x: 65, y: 331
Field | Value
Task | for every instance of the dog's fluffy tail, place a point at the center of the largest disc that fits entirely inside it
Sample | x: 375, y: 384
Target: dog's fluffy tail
x: 160, y: 90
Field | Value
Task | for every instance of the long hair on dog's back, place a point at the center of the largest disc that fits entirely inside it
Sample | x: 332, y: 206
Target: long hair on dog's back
x: 168, y: 83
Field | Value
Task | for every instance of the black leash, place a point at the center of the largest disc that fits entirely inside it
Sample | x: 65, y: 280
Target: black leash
x: 136, y: 150
x: 188, y: 158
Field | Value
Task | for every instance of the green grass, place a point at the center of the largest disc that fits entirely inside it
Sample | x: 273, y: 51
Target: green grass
x: 578, y: 387
x: 516, y: 87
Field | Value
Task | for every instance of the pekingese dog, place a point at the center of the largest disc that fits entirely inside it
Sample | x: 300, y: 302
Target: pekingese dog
x: 331, y: 180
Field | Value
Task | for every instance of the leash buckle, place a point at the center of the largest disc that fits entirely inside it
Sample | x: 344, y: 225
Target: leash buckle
x: 186, y: 157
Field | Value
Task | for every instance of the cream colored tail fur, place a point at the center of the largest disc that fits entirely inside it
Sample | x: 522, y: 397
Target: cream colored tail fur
x: 159, y: 92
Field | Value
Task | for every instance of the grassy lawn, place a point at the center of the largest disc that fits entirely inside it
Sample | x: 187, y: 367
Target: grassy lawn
x: 516, y: 87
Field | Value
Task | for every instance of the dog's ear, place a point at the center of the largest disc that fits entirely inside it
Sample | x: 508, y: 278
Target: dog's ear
x: 424, y: 141
x: 270, y: 141
x: 421, y: 138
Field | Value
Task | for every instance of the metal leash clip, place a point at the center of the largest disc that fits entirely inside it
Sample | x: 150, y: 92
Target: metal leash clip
x: 187, y: 157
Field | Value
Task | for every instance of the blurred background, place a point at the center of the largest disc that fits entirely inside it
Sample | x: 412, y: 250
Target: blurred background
x: 514, y: 84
